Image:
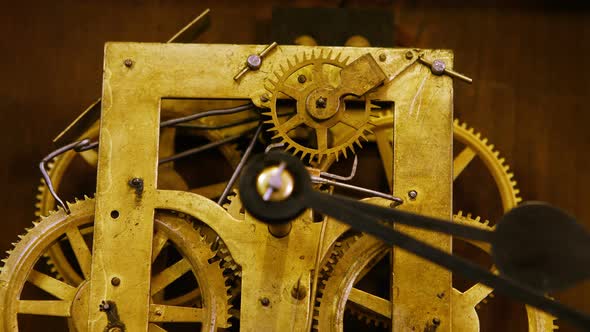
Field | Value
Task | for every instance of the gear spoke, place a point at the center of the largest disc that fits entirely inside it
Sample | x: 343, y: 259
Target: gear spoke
x: 317, y: 71
x: 322, y: 138
x: 169, y: 275
x: 80, y: 249
x: 44, y: 308
x: 349, y: 121
x: 290, y: 91
x: 370, y: 302
x: 159, y: 241
x: 290, y: 124
x: 55, y: 287
x: 462, y: 161
x: 167, y: 313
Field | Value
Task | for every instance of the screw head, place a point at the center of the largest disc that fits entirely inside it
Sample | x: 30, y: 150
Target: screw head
x: 412, y: 194
x: 264, y: 98
x: 438, y: 67
x: 382, y: 57
x: 254, y: 61
x: 321, y: 102
x: 409, y: 55
x: 158, y: 312
x: 301, y: 79
x: 265, y: 301
x: 436, y: 321
x: 128, y: 63
x: 115, y: 281
x: 115, y: 329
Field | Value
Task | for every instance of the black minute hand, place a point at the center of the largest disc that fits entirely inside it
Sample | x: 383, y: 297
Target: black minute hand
x: 536, y: 247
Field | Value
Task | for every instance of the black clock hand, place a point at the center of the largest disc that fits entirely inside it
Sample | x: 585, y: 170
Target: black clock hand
x: 368, y: 218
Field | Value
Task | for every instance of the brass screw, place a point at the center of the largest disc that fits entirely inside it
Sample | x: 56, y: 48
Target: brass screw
x: 409, y: 55
x: 301, y: 79
x: 115, y: 281
x: 158, y: 312
x: 412, y: 194
x: 382, y: 57
x: 436, y: 321
x: 128, y: 63
x: 115, y: 329
x: 265, y: 301
x: 264, y: 98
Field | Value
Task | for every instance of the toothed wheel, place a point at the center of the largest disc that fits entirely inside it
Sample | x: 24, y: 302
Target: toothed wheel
x: 168, y: 178
x: 320, y: 113
x: 176, y: 238
x: 339, y: 289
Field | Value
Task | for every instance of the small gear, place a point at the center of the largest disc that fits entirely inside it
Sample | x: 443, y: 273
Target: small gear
x: 312, y: 80
x: 358, y: 257
x: 19, y: 269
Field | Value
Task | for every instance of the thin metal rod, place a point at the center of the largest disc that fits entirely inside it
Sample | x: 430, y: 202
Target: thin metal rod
x: 317, y: 179
x: 192, y: 117
x: 45, y: 174
x: 241, y: 164
x: 199, y: 149
x: 362, y: 221
x: 343, y: 178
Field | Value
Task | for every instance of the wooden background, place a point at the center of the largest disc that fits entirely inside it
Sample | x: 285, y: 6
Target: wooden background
x: 529, y: 62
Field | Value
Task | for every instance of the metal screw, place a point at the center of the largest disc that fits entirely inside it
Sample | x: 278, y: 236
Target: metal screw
x: 321, y: 102
x: 382, y: 57
x: 265, y: 301
x: 436, y: 321
x: 137, y: 184
x: 158, y: 312
x: 264, y: 98
x: 301, y: 79
x: 254, y: 61
x: 115, y: 281
x: 409, y: 55
x: 440, y: 295
x: 412, y: 194
x: 438, y: 67
x: 104, y: 306
x: 115, y: 329
x: 128, y: 63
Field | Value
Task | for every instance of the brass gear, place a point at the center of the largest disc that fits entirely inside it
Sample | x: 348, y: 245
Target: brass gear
x: 19, y: 269
x: 475, y: 145
x: 57, y: 168
x: 310, y: 81
x: 363, y: 254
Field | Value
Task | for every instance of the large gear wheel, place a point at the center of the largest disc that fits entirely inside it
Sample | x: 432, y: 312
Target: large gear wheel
x: 168, y: 179
x: 337, y: 290
x: 178, y: 237
x: 311, y: 81
x: 475, y: 145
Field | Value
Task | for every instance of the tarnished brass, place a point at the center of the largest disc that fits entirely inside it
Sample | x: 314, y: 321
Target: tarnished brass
x: 292, y: 277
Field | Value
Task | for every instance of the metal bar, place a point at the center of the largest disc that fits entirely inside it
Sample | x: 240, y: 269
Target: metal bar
x: 241, y: 164
x: 223, y: 111
x: 317, y: 179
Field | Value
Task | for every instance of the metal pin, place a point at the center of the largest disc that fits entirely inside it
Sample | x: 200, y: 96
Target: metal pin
x: 438, y: 67
x: 254, y: 61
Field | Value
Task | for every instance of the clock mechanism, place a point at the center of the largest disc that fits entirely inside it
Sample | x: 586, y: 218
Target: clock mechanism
x: 172, y: 241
